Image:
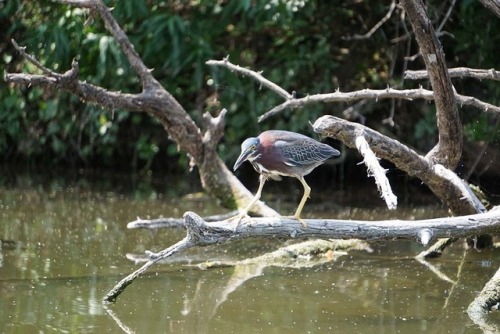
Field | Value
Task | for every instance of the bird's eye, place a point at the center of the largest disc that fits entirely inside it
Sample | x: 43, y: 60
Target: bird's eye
x: 253, y: 147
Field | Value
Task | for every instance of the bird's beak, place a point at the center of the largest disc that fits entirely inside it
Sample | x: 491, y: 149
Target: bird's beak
x: 242, y: 158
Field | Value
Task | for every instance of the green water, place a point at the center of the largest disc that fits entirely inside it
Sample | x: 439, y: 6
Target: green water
x: 66, y: 245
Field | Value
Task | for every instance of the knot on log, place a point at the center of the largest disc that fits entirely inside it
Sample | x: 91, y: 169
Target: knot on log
x: 201, y: 233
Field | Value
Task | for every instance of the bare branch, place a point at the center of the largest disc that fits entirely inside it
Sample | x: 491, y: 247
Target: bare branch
x: 376, y: 94
x: 448, y: 150
x: 31, y: 59
x: 85, y: 91
x: 155, y: 100
x: 376, y: 26
x: 487, y: 299
x: 375, y: 170
x: 173, y: 222
x: 436, y: 250
x: 458, y: 72
x: 492, y: 5
x: 200, y: 234
x: 254, y: 75
x: 435, y: 270
x: 338, y: 96
x: 214, y: 129
x: 147, y: 80
x: 446, y: 17
x: 443, y: 182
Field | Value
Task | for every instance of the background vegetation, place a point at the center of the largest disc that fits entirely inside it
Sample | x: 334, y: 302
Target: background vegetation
x: 305, y: 46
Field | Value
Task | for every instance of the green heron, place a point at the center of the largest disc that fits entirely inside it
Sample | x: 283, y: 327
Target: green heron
x: 278, y: 153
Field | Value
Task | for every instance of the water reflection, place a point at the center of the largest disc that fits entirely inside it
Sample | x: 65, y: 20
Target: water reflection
x: 65, y: 244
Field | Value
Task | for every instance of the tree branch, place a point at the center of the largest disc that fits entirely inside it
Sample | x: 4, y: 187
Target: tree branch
x: 376, y: 26
x: 487, y: 299
x: 449, y: 147
x: 338, y: 96
x: 492, y: 5
x: 443, y: 182
x: 200, y: 234
x: 147, y: 80
x: 375, y: 94
x: 457, y: 72
x: 254, y: 75
x: 155, y: 100
x: 375, y: 170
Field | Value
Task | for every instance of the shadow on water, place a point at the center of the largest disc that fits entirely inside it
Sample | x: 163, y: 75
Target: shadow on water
x: 64, y: 245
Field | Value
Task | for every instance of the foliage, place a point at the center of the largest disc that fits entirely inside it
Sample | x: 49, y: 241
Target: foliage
x: 300, y: 45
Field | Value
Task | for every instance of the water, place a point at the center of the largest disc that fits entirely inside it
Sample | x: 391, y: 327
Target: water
x: 65, y: 245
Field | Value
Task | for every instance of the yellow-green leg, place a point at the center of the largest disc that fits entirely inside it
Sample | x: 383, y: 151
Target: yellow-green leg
x: 307, y: 192
x: 244, y: 213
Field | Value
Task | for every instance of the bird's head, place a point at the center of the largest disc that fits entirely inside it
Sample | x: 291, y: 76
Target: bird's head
x: 248, y: 151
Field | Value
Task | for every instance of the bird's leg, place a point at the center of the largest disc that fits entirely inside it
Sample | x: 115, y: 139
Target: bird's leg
x: 244, y: 213
x: 307, y: 191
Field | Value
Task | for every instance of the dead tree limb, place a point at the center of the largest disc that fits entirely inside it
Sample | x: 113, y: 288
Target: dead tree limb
x: 338, y: 96
x: 487, y: 299
x: 458, y: 72
x: 443, y: 182
x: 492, y: 5
x: 374, y: 169
x: 448, y: 150
x: 155, y: 100
x: 200, y: 234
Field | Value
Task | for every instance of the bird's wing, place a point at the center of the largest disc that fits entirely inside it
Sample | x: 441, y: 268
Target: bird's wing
x: 303, y: 152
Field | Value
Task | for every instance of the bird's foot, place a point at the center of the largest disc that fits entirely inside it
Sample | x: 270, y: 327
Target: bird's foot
x: 299, y: 219
x: 237, y: 219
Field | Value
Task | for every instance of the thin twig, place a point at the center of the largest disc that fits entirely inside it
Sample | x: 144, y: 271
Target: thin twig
x: 435, y: 270
x: 455, y: 283
x: 446, y: 17
x: 375, y: 27
x: 33, y: 60
x: 257, y: 76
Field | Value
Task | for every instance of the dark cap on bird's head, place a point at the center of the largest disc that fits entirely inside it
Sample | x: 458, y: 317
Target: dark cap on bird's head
x: 248, y: 151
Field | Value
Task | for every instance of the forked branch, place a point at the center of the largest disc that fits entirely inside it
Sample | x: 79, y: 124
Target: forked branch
x: 200, y: 234
x: 338, y: 96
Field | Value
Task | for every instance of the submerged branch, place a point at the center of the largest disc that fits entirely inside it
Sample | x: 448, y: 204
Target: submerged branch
x: 487, y: 299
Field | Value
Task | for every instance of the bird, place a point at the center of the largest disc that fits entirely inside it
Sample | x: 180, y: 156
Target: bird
x: 276, y: 153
